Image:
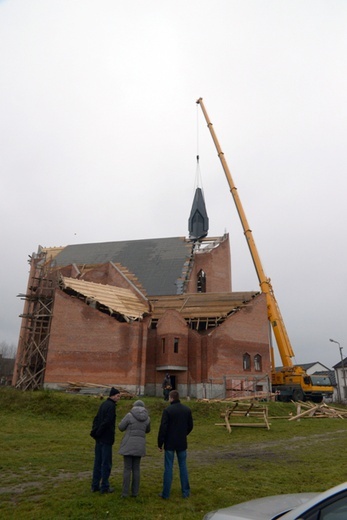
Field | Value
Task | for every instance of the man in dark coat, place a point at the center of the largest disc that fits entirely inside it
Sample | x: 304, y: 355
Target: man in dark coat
x: 166, y: 387
x: 176, y: 424
x: 103, y: 431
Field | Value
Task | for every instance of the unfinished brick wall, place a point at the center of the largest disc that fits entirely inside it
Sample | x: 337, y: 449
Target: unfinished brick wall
x: 195, y: 360
x: 105, y: 274
x: 86, y: 345
x: 244, y: 332
x: 172, y: 340
x: 89, y: 346
x: 216, y: 264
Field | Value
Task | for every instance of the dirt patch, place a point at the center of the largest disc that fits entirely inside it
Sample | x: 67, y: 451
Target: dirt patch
x: 267, y: 450
x: 49, y: 480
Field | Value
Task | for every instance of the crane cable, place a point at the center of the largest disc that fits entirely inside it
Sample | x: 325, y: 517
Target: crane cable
x: 198, y: 176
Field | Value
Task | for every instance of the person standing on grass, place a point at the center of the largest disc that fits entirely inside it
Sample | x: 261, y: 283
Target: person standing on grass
x: 135, y: 424
x: 176, y: 424
x: 166, y: 386
x: 103, y: 431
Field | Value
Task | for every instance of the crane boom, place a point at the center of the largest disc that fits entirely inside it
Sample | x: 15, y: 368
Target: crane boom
x: 274, y: 314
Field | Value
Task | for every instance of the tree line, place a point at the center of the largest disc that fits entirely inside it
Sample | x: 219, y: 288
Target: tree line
x: 8, y: 350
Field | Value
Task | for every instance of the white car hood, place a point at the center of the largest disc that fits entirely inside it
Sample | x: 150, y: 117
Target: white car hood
x: 265, y: 508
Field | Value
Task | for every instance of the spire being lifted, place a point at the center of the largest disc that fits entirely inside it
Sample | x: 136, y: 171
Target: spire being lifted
x: 198, y: 220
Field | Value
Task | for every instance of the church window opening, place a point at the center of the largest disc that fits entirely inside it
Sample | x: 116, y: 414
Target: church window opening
x: 201, y: 282
x: 163, y: 345
x: 246, y: 362
x: 257, y: 363
x: 176, y: 345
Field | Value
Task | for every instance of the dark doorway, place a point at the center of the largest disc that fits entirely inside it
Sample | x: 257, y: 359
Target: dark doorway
x: 173, y: 382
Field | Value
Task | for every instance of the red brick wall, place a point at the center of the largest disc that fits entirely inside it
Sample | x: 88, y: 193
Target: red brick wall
x: 170, y: 327
x: 89, y: 346
x: 106, y: 274
x: 99, y: 274
x: 244, y: 332
x: 152, y: 376
x: 217, y: 265
x: 102, y: 273
x: 195, y: 364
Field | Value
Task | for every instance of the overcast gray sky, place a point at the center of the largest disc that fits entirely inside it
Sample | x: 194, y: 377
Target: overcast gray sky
x: 99, y: 132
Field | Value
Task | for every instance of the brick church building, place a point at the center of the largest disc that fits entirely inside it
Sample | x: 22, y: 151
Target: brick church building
x: 127, y: 313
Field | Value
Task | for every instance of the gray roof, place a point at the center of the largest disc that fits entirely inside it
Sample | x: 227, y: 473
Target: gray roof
x: 340, y: 363
x: 307, y: 366
x: 160, y: 264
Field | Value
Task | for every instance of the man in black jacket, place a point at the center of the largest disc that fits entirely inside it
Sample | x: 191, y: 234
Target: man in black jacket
x: 176, y: 424
x: 103, y: 431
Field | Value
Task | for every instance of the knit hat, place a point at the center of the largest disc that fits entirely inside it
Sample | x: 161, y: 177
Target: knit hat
x: 114, y: 391
x: 139, y: 403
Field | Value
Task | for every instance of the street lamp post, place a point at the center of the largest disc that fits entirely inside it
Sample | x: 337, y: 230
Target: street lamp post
x: 343, y: 373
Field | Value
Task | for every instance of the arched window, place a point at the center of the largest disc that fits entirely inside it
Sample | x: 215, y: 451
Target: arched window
x: 257, y: 363
x: 201, y: 282
x: 246, y: 362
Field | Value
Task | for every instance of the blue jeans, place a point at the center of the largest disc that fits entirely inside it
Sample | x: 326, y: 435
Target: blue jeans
x: 168, y: 472
x: 102, y: 466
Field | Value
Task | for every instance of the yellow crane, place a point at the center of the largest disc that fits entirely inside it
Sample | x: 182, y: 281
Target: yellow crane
x: 291, y: 381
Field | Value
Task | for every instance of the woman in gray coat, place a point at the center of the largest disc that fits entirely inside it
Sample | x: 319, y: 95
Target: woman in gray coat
x: 135, y: 424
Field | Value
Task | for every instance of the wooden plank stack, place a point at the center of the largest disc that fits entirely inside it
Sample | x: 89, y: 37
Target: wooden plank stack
x: 101, y: 390
x: 321, y: 410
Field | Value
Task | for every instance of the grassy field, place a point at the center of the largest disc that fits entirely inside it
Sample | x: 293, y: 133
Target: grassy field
x: 47, y: 457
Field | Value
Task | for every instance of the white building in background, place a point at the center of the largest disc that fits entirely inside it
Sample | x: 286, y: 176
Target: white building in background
x: 341, y: 379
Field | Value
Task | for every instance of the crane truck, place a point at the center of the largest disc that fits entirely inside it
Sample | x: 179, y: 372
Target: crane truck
x: 290, y: 382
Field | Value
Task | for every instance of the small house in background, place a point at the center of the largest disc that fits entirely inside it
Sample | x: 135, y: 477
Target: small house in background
x: 315, y: 367
x: 341, y: 380
x: 126, y: 313
x: 6, y: 370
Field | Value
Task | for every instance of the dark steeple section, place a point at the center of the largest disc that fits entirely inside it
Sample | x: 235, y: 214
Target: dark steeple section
x: 198, y: 220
